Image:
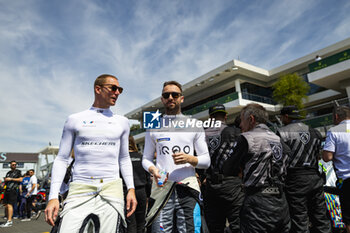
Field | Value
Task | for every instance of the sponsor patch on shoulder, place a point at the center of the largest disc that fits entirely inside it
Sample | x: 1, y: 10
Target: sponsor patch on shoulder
x: 276, y: 149
x: 214, y: 141
x: 163, y: 139
x: 304, y: 137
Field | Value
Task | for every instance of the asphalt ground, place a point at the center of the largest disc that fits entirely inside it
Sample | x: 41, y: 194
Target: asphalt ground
x: 33, y: 226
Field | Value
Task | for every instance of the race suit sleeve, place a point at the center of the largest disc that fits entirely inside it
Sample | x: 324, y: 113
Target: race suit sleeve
x: 61, y: 161
x: 148, y: 153
x: 230, y: 134
x: 125, y: 164
x: 238, y: 158
x: 201, y: 148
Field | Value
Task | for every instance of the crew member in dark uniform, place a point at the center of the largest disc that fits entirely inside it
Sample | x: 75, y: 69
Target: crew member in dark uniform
x: 223, y: 194
x: 304, y: 184
x: 12, y: 180
x: 136, y: 222
x: 262, y: 156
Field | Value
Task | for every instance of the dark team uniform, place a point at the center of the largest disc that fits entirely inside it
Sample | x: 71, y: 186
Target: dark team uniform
x: 136, y: 222
x: 262, y: 156
x: 223, y: 195
x: 304, y: 184
x: 10, y: 196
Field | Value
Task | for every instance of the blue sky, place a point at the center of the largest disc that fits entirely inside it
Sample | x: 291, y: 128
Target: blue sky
x: 52, y: 51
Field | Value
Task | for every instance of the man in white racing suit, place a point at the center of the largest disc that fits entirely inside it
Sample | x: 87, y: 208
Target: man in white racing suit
x: 100, y: 142
x: 175, y: 147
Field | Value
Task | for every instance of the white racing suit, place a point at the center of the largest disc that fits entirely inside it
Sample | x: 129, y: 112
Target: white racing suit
x: 97, y: 208
x: 176, y: 208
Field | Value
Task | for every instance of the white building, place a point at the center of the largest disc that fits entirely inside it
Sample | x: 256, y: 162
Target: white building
x: 236, y: 84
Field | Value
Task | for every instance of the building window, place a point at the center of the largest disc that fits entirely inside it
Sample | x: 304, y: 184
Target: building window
x: 257, y: 93
x: 313, y: 87
x: 221, y: 94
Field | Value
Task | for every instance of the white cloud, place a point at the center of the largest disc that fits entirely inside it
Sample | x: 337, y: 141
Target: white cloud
x: 52, y: 52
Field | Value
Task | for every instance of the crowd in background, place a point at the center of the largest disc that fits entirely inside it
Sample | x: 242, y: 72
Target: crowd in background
x: 20, y: 196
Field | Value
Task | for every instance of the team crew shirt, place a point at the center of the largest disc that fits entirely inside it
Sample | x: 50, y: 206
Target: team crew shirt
x: 100, y: 143
x: 12, y: 185
x: 168, y: 141
x: 217, y: 139
x: 337, y: 141
x: 261, y: 155
x: 32, y: 181
x: 305, y: 143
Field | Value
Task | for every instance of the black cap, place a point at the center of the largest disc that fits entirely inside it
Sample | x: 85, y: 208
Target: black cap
x: 292, y: 112
x: 217, y: 108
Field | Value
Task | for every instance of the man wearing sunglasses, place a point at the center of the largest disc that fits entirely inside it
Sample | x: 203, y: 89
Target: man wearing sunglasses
x: 12, y: 180
x: 100, y: 142
x: 175, y: 147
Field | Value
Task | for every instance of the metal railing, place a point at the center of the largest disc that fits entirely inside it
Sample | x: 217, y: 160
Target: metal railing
x: 328, y: 61
x: 325, y: 119
x: 319, y: 121
x: 222, y: 100
x: 258, y: 98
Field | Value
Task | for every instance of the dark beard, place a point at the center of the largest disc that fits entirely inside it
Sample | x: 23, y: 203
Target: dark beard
x: 173, y: 111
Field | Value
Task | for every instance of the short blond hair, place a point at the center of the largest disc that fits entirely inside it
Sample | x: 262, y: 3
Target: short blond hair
x: 100, y: 80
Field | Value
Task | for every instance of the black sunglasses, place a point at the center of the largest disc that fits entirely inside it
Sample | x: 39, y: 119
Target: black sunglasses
x: 114, y: 88
x: 175, y: 95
